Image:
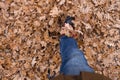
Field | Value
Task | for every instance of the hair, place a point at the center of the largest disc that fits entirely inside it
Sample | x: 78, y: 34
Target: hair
x: 69, y: 20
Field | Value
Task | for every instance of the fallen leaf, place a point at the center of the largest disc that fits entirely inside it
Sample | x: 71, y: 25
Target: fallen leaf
x: 61, y: 2
x: 36, y: 23
x: 87, y: 25
x: 33, y: 61
x: 55, y: 11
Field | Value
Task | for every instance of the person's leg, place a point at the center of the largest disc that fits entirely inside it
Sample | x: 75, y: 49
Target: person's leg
x: 73, y: 60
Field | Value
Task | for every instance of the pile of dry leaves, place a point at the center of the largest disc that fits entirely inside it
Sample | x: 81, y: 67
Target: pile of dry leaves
x: 29, y: 36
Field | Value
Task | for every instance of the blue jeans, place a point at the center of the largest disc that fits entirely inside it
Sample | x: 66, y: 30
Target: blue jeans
x: 73, y: 60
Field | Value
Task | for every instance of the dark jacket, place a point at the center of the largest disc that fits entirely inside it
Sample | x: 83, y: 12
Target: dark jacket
x: 82, y: 76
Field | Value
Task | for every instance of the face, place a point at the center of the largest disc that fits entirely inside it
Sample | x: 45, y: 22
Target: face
x: 68, y: 26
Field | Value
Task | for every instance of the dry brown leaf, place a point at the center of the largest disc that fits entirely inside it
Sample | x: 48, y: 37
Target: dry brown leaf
x: 54, y: 12
x: 0, y: 30
x: 87, y: 26
x: 100, y: 15
x: 46, y: 36
x: 42, y: 68
x: 61, y: 2
x: 117, y: 26
x: 99, y: 2
x: 42, y: 18
x: 36, y: 23
x: 33, y: 61
x: 51, y: 22
x: 37, y: 78
x: 2, y: 5
x: 89, y: 52
x: 1, y: 61
x: 17, y: 77
x: 43, y: 43
x: 27, y: 65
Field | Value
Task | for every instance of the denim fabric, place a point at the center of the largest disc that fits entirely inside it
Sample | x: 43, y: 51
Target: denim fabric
x: 73, y: 60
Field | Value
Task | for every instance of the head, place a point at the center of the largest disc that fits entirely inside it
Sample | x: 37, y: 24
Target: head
x: 69, y: 20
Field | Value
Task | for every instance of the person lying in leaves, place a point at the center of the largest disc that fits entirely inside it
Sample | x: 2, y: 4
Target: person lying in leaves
x: 74, y: 65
